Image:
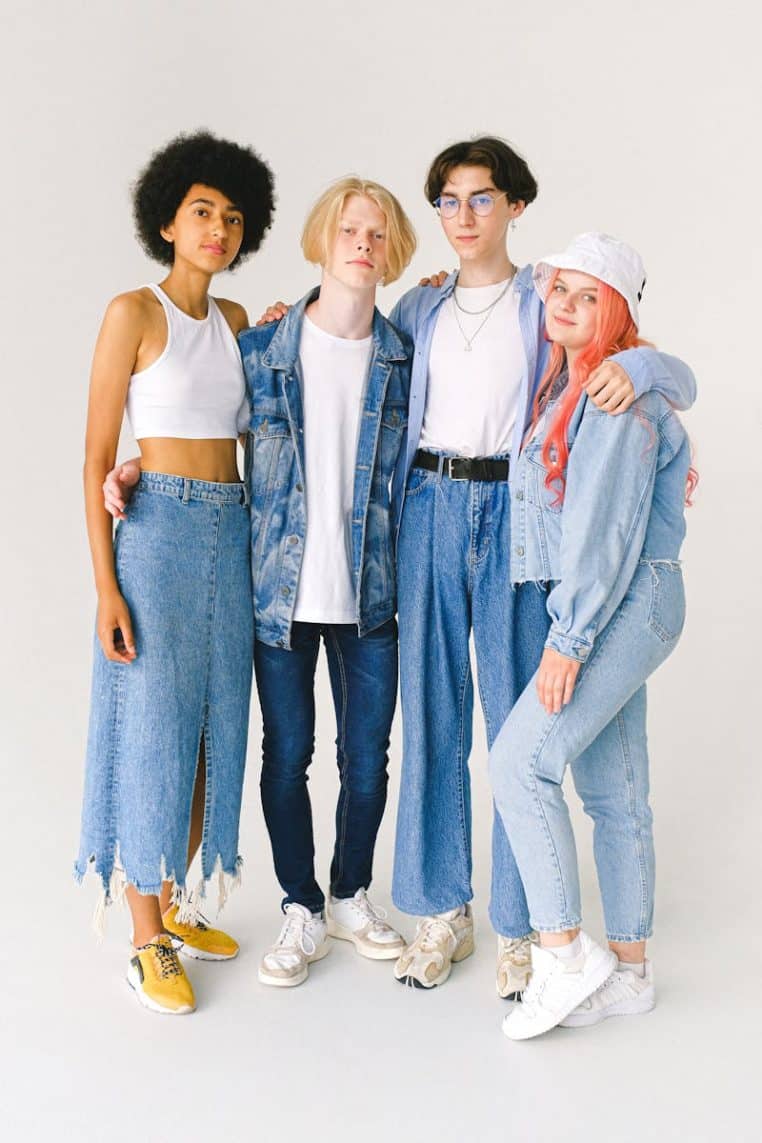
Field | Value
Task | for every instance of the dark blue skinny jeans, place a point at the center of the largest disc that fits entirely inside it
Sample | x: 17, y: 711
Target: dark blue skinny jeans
x: 363, y: 674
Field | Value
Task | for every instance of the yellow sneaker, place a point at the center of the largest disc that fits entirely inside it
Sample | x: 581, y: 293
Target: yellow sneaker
x: 159, y: 979
x: 199, y: 941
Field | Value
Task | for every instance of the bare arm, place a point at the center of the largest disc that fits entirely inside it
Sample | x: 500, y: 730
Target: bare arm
x: 113, y: 364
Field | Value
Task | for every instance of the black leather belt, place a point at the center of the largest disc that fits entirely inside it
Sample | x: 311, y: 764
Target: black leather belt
x: 462, y: 467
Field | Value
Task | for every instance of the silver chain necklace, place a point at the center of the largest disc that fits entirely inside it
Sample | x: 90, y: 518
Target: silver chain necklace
x: 469, y: 341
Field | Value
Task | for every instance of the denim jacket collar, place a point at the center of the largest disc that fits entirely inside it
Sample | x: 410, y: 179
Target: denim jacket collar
x: 283, y: 351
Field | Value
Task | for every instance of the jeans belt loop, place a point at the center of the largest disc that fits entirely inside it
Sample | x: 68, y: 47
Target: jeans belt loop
x: 245, y: 497
x: 186, y: 489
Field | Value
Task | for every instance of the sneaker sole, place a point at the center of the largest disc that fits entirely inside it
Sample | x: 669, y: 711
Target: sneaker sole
x: 597, y: 976
x: 645, y: 1003
x: 515, y: 992
x: 201, y: 954
x: 135, y: 984
x: 264, y: 976
x: 371, y: 952
x: 460, y: 954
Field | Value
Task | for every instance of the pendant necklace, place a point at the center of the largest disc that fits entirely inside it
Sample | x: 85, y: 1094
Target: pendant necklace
x: 487, y: 311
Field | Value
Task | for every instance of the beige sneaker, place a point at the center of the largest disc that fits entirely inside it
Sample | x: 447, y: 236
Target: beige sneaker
x: 514, y: 965
x: 358, y: 920
x: 440, y: 941
x: 302, y: 940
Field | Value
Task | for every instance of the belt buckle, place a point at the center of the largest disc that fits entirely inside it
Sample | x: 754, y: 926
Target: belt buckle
x: 450, y: 459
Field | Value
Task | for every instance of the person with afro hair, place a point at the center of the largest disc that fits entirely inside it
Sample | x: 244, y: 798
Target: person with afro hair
x: 202, y: 158
x: 173, y: 652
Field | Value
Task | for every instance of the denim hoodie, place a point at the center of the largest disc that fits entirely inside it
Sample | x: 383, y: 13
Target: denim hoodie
x: 623, y: 503
x: 276, y: 479
x: 416, y: 314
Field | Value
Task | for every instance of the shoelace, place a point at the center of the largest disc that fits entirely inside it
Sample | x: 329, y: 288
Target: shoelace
x: 293, y: 935
x: 426, y: 930
x: 169, y: 964
x: 518, y: 949
x: 375, y: 914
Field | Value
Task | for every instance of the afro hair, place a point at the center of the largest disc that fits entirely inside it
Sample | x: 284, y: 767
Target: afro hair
x: 235, y: 171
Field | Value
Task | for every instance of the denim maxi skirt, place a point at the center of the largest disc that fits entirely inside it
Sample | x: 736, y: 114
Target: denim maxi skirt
x: 182, y: 561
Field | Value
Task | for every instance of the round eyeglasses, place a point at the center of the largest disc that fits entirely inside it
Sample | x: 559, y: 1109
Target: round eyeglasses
x: 481, y: 204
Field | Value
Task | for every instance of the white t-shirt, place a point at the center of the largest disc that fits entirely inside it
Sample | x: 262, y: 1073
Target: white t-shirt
x: 472, y: 397
x: 334, y: 372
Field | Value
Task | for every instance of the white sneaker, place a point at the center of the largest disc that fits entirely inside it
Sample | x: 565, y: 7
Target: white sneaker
x: 514, y: 964
x: 302, y: 940
x: 440, y: 941
x: 358, y: 920
x: 556, y: 987
x: 621, y: 994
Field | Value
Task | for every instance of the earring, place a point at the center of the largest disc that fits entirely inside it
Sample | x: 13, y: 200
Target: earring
x: 513, y: 224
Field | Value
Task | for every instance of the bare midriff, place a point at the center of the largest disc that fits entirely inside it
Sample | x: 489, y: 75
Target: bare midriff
x: 213, y: 460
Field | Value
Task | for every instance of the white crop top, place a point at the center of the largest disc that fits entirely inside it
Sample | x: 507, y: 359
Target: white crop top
x: 195, y: 389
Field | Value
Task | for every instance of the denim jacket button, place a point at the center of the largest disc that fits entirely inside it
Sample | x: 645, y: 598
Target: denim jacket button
x: 293, y: 539
x: 299, y: 488
x: 285, y: 592
x: 519, y: 551
x: 519, y: 495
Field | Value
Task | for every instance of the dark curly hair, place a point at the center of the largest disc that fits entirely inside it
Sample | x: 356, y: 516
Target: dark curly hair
x: 510, y: 172
x: 236, y: 171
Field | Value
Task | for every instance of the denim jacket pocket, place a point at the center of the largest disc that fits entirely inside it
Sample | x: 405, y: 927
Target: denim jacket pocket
x: 393, y: 425
x: 545, y: 498
x: 270, y: 447
x: 666, y: 614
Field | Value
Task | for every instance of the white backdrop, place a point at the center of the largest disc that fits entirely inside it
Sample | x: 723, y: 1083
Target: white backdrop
x: 636, y: 120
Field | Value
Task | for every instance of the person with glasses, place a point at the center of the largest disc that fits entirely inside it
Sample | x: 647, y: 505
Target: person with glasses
x: 479, y: 355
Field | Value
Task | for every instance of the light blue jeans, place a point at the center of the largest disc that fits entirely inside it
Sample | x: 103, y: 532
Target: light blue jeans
x: 452, y: 581
x: 601, y: 734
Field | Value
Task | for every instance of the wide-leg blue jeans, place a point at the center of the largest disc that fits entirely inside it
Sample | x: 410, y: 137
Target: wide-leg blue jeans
x: 453, y: 579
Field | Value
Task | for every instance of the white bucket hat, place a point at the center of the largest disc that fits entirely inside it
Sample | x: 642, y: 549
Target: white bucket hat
x: 604, y: 257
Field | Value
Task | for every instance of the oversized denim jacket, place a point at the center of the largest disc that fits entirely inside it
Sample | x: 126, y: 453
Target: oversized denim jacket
x: 623, y: 502
x: 416, y: 314
x: 275, y: 472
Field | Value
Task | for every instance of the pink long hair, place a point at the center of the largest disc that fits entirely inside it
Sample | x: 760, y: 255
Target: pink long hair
x: 614, y: 331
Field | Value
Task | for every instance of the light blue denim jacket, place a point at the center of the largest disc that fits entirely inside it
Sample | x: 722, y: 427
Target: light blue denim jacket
x: 416, y: 315
x: 623, y: 503
x: 275, y: 472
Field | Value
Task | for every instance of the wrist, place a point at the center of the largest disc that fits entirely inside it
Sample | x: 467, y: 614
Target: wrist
x: 107, y: 589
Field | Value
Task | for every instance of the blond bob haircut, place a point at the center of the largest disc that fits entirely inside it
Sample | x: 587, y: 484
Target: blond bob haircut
x: 322, y: 224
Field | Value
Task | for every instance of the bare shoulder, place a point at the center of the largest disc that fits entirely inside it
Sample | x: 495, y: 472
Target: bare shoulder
x: 133, y: 310
x: 234, y: 313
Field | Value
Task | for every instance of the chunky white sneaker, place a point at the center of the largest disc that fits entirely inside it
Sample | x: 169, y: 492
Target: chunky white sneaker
x: 514, y: 965
x: 440, y: 941
x: 621, y: 994
x: 358, y: 920
x: 302, y: 940
x: 556, y: 987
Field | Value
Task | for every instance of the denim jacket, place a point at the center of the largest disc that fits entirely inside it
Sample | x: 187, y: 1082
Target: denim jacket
x: 416, y: 314
x: 275, y: 472
x: 623, y: 502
